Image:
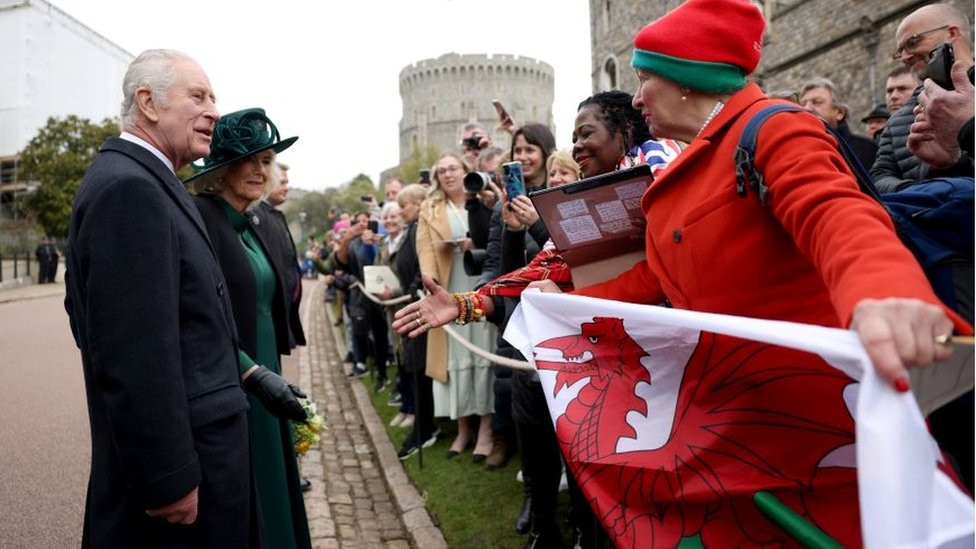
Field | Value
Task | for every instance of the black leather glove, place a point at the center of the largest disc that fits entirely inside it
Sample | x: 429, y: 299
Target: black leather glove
x: 277, y: 395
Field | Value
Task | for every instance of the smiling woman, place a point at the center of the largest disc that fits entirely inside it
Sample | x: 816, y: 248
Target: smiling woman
x: 235, y: 176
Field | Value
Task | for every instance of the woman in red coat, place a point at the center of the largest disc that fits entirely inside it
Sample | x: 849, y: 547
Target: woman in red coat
x: 819, y: 251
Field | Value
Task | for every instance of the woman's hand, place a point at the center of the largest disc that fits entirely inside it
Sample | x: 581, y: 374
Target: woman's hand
x: 899, y: 333
x: 437, y: 309
x: 465, y: 244
x: 524, y: 210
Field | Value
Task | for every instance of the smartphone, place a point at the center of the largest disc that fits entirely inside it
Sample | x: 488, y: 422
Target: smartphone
x: 940, y: 65
x: 366, y: 198
x: 512, y: 178
x: 425, y: 177
x: 373, y: 225
x: 500, y: 109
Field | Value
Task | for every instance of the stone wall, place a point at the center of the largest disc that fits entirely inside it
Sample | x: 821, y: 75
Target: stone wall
x: 848, y: 41
x: 440, y: 96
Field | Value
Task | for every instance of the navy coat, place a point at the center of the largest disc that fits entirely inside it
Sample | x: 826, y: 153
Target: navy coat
x: 149, y: 310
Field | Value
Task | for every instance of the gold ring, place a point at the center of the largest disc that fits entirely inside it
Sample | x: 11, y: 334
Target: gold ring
x: 417, y: 320
x: 425, y: 326
x: 419, y: 315
x: 944, y: 340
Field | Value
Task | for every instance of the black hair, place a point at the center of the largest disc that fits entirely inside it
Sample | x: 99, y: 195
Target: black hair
x: 618, y: 113
x: 538, y: 135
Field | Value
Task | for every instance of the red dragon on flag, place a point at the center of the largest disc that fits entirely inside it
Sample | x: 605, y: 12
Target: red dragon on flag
x: 672, y: 450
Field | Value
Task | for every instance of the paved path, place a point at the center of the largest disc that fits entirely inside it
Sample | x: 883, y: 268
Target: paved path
x: 44, y: 441
x: 360, y: 498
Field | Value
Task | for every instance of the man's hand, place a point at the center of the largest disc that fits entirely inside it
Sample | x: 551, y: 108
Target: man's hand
x: 939, y: 116
x: 181, y: 511
x: 277, y: 395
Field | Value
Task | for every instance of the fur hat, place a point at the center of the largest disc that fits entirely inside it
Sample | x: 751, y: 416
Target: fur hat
x: 706, y: 45
x: 238, y: 135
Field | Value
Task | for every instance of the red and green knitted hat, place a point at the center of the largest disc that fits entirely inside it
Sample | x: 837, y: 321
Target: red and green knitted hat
x: 706, y: 45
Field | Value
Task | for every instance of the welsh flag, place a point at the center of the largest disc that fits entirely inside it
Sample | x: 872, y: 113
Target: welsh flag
x: 687, y: 428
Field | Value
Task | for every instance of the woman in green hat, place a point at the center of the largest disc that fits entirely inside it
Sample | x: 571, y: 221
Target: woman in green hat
x: 233, y: 179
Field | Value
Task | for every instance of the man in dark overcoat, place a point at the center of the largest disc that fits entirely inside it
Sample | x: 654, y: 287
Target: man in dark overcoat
x: 149, y: 310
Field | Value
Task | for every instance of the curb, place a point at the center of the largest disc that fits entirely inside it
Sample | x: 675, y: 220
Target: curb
x: 423, y: 532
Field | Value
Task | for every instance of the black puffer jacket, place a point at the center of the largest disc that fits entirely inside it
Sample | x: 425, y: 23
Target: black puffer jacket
x: 895, y: 166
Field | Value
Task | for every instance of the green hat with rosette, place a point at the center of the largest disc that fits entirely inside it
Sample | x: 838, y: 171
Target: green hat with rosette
x: 238, y: 135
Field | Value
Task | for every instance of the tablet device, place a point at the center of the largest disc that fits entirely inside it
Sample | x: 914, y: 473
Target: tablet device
x: 597, y: 223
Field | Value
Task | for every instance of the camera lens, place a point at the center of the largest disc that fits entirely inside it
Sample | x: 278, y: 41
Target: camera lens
x: 477, y: 181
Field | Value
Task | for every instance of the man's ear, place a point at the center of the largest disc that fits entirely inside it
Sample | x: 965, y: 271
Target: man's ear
x: 147, y: 104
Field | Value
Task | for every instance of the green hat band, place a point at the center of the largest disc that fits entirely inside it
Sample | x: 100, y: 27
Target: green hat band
x: 698, y: 75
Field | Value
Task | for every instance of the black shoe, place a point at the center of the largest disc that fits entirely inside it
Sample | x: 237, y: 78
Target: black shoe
x: 410, y: 446
x: 396, y: 401
x: 524, y: 520
x: 380, y: 385
x: 358, y: 371
x: 306, y: 485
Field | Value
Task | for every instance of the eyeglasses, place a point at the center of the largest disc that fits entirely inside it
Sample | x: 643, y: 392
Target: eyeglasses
x: 444, y: 170
x: 911, y: 43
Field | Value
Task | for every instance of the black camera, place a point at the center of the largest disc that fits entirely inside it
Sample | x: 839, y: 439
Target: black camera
x: 476, y: 182
x: 473, y: 142
x: 474, y: 261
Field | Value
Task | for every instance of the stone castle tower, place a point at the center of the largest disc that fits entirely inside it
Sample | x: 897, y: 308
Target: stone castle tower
x: 440, y: 96
x: 847, y: 41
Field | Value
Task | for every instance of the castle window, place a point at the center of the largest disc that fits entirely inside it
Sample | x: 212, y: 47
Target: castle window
x: 608, y: 76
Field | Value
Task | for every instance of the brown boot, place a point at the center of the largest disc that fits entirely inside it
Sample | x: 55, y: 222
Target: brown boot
x: 499, y: 453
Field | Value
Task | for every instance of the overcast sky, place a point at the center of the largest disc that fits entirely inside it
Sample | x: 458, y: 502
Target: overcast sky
x: 328, y: 71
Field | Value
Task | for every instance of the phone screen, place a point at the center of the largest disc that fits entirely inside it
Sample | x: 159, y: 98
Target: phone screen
x: 512, y: 177
x: 373, y: 225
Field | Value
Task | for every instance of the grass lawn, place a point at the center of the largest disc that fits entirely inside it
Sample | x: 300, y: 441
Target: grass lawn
x: 473, y: 506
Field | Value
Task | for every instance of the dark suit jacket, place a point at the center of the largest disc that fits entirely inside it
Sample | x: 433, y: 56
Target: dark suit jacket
x: 240, y: 278
x: 149, y: 310
x: 273, y: 229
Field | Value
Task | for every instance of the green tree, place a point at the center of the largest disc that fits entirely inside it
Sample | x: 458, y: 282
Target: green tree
x: 419, y: 159
x: 56, y: 160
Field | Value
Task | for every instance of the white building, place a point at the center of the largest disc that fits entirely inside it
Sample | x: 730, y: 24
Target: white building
x: 52, y: 66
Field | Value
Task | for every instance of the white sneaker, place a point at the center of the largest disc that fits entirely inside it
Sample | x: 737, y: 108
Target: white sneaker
x: 398, y: 419
x: 519, y: 477
x: 407, y: 421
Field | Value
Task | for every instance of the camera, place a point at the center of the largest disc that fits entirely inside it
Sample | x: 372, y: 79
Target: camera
x: 425, y: 177
x: 373, y: 225
x: 474, y: 261
x: 478, y: 181
x: 366, y: 198
x: 473, y: 142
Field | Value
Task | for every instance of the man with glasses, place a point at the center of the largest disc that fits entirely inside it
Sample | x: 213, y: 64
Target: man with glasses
x: 920, y: 33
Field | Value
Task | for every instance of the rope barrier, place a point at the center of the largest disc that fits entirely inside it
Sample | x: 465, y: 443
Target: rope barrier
x: 387, y: 303
x: 497, y: 359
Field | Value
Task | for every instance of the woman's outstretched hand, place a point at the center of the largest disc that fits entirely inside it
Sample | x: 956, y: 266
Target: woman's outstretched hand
x: 437, y: 309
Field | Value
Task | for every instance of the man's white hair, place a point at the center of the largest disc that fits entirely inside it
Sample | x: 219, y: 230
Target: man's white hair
x: 151, y: 69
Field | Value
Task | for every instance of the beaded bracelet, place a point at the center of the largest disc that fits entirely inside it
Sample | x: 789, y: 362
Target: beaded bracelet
x: 471, y: 307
